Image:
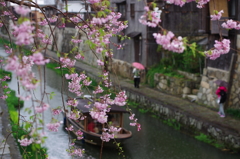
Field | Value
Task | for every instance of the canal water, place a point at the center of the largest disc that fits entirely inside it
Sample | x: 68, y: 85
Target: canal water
x: 155, y: 141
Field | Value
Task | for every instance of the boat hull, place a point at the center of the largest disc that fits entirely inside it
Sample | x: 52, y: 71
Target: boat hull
x: 94, y: 138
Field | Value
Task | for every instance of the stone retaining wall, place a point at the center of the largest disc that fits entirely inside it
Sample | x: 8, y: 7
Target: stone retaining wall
x: 189, y: 122
x: 234, y: 99
x: 208, y: 87
x: 176, y: 86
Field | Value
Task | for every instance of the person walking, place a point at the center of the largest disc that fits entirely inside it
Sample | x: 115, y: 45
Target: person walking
x: 221, y: 92
x: 136, y: 73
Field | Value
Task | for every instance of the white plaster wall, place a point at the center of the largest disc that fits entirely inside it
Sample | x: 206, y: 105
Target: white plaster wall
x: 76, y: 6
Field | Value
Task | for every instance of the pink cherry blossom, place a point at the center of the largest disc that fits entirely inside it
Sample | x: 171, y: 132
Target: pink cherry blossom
x: 38, y: 59
x: 79, y: 56
x: 22, y: 10
x: 53, y: 126
x: 53, y: 19
x: 72, y: 102
x: 70, y: 128
x: 120, y: 98
x: 23, y: 33
x: 25, y: 141
x: 100, y: 62
x: 220, y: 47
x: 98, y: 90
x: 43, y: 22
x: 230, y: 24
x: 132, y: 117
x: 75, y: 115
x: 3, y: 97
x: 3, y: 3
x: 41, y: 108
x: 7, y: 13
x: 66, y: 62
x: 76, y: 152
x: 100, y: 116
x: 56, y: 111
x: 79, y: 134
x: 217, y: 15
x: 93, y: 1
x: 8, y: 50
x: 106, y: 137
x: 76, y: 41
x: 169, y: 42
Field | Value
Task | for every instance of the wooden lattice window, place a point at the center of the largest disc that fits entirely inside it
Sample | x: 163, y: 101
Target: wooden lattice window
x: 132, y: 10
x: 215, y: 25
x: 122, y: 9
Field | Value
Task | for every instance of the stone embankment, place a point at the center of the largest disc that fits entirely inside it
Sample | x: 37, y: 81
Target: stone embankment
x: 8, y: 145
x: 190, y: 115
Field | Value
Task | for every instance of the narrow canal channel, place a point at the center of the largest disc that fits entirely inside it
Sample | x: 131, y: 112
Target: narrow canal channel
x: 155, y: 141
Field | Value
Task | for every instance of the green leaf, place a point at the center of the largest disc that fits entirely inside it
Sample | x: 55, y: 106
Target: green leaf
x: 193, y: 49
x: 58, y: 54
x: 22, y: 19
x: 101, y: 31
x: 100, y: 13
x: 27, y: 126
x: 52, y: 94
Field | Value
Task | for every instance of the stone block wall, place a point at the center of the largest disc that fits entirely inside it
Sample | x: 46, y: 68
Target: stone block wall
x: 208, y: 87
x: 174, y: 85
x: 124, y: 69
x: 234, y: 98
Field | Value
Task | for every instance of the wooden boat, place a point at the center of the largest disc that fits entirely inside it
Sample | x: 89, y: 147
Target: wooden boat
x: 93, y: 137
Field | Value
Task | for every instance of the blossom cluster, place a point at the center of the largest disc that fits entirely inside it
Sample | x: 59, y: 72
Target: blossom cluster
x: 22, y: 68
x: 53, y: 126
x: 217, y: 15
x: 56, y: 111
x: 23, y: 33
x: 76, y: 152
x: 67, y: 62
x: 107, y: 82
x: 75, y: 85
x: 150, y: 18
x: 25, y: 141
x: 44, y: 22
x: 134, y: 122
x: 93, y: 1
x: 43, y: 38
x: 109, y: 133
x: 200, y: 3
x: 101, y: 39
x: 231, y: 24
x: 220, y: 47
x: 170, y: 42
x: 41, y: 108
x: 72, y: 102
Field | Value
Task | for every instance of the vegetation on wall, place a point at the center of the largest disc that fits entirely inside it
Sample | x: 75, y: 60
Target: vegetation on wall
x: 207, y: 139
x: 13, y: 103
x: 235, y: 113
x: 3, y: 41
x: 191, y: 60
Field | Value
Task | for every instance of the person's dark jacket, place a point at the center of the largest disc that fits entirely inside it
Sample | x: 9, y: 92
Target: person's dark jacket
x: 223, y: 95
